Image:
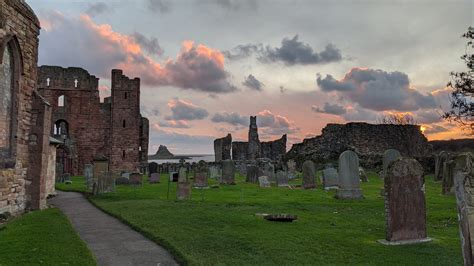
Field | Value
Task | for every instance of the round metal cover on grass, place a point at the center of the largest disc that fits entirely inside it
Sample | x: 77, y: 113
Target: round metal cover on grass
x: 281, y: 217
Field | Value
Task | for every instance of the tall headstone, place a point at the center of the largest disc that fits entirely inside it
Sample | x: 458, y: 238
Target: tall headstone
x: 254, y: 145
x: 100, y: 168
x: 464, y: 190
x: 439, y: 164
x: 88, y: 175
x: 330, y: 178
x: 291, y: 164
x: 201, y: 173
x: 448, y: 181
x: 309, y: 175
x: 282, y: 178
x: 183, y: 175
x: 405, y: 207
x: 152, y: 168
x: 389, y: 156
x: 252, y: 174
x: 349, y: 183
x: 228, y: 172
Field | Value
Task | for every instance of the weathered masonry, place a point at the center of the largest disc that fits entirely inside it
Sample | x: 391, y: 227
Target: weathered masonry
x: 114, y: 129
x: 26, y: 155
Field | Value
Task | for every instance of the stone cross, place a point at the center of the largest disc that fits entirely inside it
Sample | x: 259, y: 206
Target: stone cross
x: 309, y: 175
x: 405, y: 207
x: 349, y: 182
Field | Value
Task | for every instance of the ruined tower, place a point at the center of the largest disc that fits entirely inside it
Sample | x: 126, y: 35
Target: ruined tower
x: 254, y: 146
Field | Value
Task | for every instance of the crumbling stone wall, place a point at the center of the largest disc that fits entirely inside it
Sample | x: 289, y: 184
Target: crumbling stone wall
x: 114, y: 129
x: 254, y: 147
x: 239, y: 150
x: 21, y: 184
x: 274, y: 150
x: 222, y: 148
x: 144, y: 140
x: 369, y: 141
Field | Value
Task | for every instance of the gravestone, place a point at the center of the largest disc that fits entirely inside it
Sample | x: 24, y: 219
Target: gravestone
x: 201, y: 173
x: 122, y: 180
x: 215, y: 172
x: 252, y: 174
x: 152, y: 168
x: 88, y: 175
x: 269, y: 171
x: 154, y: 178
x: 447, y: 180
x: 405, y: 207
x: 105, y: 183
x: 183, y: 191
x: 174, y: 177
x: 228, y: 172
x: 282, y: 179
x: 363, y: 175
x: 291, y: 164
x: 136, y: 179
x: 66, y: 178
x: 125, y: 175
x: 349, y: 182
x: 264, y: 182
x: 439, y: 163
x: 464, y: 190
x: 389, y: 156
x: 183, y: 175
x: 309, y: 175
x: 101, y: 167
x: 330, y: 178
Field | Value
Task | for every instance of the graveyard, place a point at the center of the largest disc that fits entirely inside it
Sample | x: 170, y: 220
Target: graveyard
x: 223, y: 224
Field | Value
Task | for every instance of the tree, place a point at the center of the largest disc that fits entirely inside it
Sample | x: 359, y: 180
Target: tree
x: 397, y: 119
x: 462, y: 86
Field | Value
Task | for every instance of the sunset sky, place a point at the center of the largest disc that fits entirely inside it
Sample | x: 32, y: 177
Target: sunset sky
x: 206, y: 66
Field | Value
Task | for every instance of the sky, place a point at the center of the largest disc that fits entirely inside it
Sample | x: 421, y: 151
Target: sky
x: 207, y: 65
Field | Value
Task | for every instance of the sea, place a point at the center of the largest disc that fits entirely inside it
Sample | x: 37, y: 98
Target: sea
x: 194, y: 158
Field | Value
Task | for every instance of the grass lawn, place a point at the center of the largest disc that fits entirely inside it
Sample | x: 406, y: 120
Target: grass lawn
x: 219, y: 226
x: 42, y: 237
x: 78, y: 185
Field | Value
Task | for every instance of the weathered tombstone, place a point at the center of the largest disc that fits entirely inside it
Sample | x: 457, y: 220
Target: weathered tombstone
x: 264, y: 182
x: 152, y: 168
x: 349, y: 182
x: 405, y: 207
x: 183, y: 175
x: 439, y: 163
x: 183, y: 192
x: 88, y: 175
x: 282, y: 179
x: 105, y: 183
x: 448, y: 182
x: 154, y: 178
x: 291, y: 164
x: 101, y: 167
x: 268, y: 170
x: 330, y: 178
x: 215, y: 172
x: 201, y: 173
x: 136, y: 178
x: 174, y: 177
x: 228, y: 172
x: 309, y: 175
x: 66, y: 178
x: 464, y: 190
x: 389, y: 156
x: 363, y: 175
x: 252, y: 174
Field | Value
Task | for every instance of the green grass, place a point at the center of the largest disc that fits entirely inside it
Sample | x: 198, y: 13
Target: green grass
x: 78, y: 185
x: 219, y: 226
x: 42, y: 237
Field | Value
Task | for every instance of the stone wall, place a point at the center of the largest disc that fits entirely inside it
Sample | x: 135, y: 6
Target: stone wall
x: 239, y: 150
x: 114, y: 129
x: 274, y: 150
x: 222, y: 148
x: 21, y: 185
x: 367, y: 140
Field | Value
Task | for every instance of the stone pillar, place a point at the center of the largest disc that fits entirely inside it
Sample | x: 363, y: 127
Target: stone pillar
x: 349, y: 182
x: 254, y: 146
x: 222, y: 148
x: 447, y: 177
x: 405, y: 207
x: 309, y: 175
x: 439, y: 162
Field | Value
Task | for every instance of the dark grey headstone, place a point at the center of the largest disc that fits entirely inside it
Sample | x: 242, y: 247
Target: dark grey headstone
x: 282, y: 179
x: 309, y: 175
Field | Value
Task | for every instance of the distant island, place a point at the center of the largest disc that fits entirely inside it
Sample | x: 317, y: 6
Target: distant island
x: 164, y: 154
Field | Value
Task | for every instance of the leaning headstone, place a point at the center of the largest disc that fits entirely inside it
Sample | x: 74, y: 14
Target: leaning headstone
x: 405, y: 207
x: 183, y: 175
x: 88, y: 175
x: 154, y: 178
x: 201, y: 173
x: 330, y: 178
x: 291, y: 164
x: 252, y: 174
x: 349, y: 182
x: 264, y: 182
x: 309, y: 175
x: 282, y: 179
x: 464, y: 190
x: 152, y: 168
x: 228, y: 172
x: 448, y: 181
x: 136, y: 178
x: 389, y: 156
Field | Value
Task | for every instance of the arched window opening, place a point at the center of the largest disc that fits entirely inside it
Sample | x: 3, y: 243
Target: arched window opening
x: 61, y: 101
x: 61, y: 128
x: 7, y: 75
x: 48, y: 82
x: 75, y: 83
